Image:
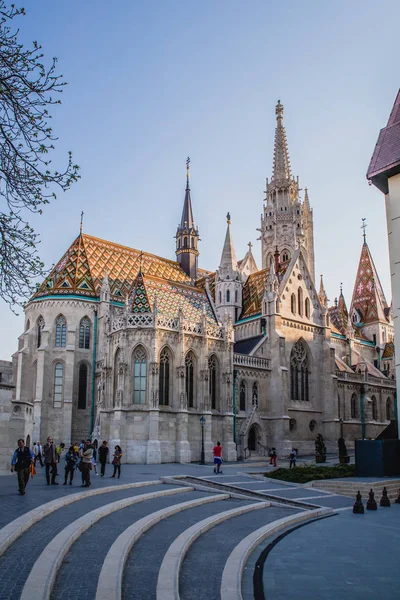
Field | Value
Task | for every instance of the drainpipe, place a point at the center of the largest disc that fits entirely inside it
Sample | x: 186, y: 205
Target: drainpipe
x: 234, y: 404
x: 93, y: 373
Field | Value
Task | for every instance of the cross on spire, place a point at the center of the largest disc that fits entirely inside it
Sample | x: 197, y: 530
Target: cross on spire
x: 250, y: 245
x: 363, y: 227
x: 187, y: 170
x: 81, y: 225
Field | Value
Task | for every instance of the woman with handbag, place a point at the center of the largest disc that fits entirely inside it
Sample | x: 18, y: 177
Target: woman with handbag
x: 116, y: 461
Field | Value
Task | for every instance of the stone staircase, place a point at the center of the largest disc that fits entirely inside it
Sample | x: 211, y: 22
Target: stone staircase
x: 349, y: 487
x: 163, y: 539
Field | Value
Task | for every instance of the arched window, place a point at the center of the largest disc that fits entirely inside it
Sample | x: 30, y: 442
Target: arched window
x: 353, y: 406
x: 299, y: 384
x: 254, y: 394
x: 236, y: 296
x: 293, y: 304
x: 61, y: 332
x: 82, y: 386
x: 300, y: 301
x: 39, y: 327
x: 192, y: 242
x: 389, y: 411
x: 163, y: 379
x: 185, y: 243
x: 139, y: 375
x: 220, y: 297
x: 189, y: 366
x: 307, y: 307
x: 84, y: 333
x: 374, y: 408
x: 58, y: 385
x: 242, y: 395
x: 212, y: 380
x: 179, y: 243
x: 228, y: 296
x: 285, y: 256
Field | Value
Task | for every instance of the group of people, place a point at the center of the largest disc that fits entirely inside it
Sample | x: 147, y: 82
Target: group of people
x: 81, y: 456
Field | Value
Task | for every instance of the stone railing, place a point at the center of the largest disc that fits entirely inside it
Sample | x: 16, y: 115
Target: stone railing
x: 242, y: 360
x: 146, y: 320
x: 366, y: 378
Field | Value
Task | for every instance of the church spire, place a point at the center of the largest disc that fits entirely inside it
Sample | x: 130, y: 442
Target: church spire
x: 281, y: 170
x: 187, y: 235
x: 228, y: 256
x: 323, y: 298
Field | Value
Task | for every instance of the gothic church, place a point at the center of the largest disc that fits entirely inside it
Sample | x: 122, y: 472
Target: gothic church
x: 134, y: 348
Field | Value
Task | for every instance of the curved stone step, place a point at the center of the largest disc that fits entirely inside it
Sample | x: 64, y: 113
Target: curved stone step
x: 109, y: 586
x: 10, y: 532
x: 168, y: 577
x: 231, y: 584
x: 43, y: 574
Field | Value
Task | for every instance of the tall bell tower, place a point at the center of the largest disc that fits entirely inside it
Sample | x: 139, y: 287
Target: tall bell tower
x: 187, y: 235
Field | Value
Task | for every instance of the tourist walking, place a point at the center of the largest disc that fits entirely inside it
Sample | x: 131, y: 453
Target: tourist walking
x: 94, y: 460
x: 116, y: 461
x: 103, y: 456
x: 21, y: 462
x: 292, y: 457
x: 86, y: 463
x: 50, y: 461
x: 71, y: 460
x: 38, y: 452
x: 272, y: 457
x: 217, y: 451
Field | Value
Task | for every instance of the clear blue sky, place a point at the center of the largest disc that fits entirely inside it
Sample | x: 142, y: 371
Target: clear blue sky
x: 153, y: 82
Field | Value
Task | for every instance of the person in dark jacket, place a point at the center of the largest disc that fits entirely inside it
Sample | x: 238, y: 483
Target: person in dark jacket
x: 21, y: 462
x: 103, y: 456
x: 50, y: 460
x: 71, y: 459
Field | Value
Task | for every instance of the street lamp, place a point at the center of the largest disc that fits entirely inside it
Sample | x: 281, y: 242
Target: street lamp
x: 202, y: 423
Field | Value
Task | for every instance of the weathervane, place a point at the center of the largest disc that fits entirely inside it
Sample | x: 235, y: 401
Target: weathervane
x: 187, y: 167
x: 363, y: 227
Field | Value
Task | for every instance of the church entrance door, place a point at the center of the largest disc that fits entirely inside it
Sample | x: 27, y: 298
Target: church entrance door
x: 252, y: 439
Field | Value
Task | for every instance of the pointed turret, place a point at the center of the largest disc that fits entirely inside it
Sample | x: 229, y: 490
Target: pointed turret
x: 323, y: 298
x: 338, y: 313
x: 187, y: 235
x: 368, y: 304
x: 228, y: 256
x: 281, y: 170
x: 228, y: 286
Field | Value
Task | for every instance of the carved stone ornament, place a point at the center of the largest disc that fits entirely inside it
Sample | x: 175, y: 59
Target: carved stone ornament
x: 204, y: 375
x: 154, y: 368
x: 180, y: 371
x: 183, y: 402
x: 154, y: 399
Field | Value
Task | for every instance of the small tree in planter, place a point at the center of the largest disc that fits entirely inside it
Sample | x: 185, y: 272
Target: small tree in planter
x: 344, y: 459
x: 320, y: 449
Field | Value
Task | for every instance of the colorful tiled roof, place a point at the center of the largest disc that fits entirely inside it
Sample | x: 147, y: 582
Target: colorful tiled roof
x: 253, y: 292
x: 388, y: 351
x: 83, y: 266
x: 338, y: 315
x: 170, y: 298
x: 201, y: 281
x: 368, y: 297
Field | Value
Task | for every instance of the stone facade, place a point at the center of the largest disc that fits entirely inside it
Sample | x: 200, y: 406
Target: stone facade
x: 135, y: 349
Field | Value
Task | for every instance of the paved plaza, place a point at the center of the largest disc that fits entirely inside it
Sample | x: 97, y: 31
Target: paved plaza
x: 339, y: 556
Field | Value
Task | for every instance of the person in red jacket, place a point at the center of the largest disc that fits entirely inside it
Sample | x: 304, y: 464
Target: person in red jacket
x: 217, y: 451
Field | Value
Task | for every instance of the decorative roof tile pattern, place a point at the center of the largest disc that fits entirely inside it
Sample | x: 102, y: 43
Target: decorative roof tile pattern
x: 83, y: 266
x: 388, y: 351
x: 170, y: 298
x: 339, y: 315
x: 253, y: 292
x: 368, y: 297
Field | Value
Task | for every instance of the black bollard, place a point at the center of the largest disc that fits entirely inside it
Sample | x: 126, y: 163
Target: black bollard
x: 385, y: 498
x: 371, y: 504
x: 397, y: 501
x: 358, y: 507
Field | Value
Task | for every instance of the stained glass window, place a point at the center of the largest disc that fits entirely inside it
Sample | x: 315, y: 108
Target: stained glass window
x: 139, y: 375
x: 40, y: 326
x: 84, y: 334
x: 58, y: 385
x: 242, y: 396
x: 189, y: 365
x: 163, y: 381
x: 61, y: 332
x: 299, y: 384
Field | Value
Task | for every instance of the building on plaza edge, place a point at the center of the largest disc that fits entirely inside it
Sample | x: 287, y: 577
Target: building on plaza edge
x: 135, y: 348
